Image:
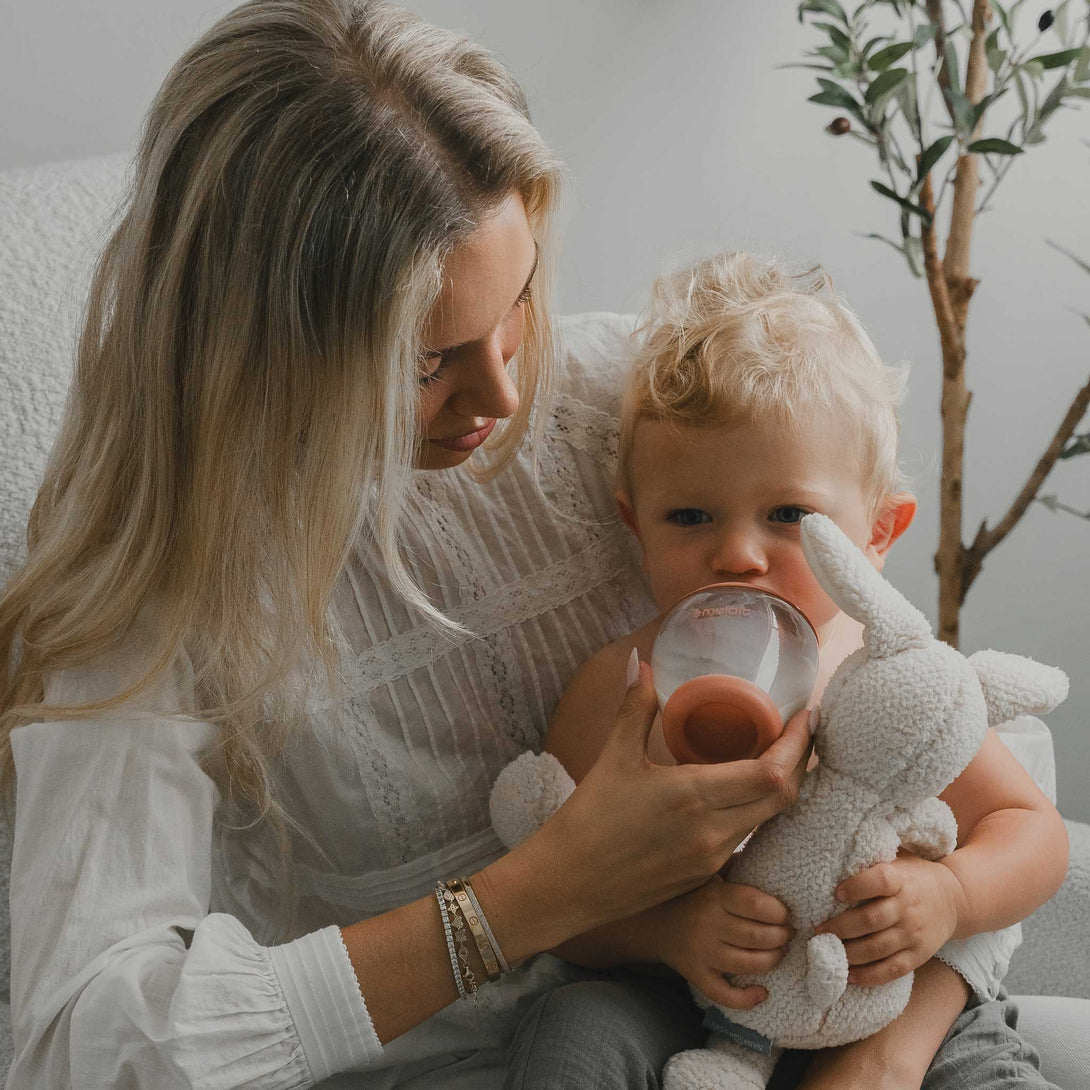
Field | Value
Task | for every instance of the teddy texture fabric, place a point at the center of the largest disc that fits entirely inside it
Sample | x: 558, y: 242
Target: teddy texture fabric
x: 900, y: 719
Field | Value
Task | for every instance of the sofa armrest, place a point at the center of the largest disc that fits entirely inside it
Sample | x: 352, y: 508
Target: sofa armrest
x: 1054, y: 958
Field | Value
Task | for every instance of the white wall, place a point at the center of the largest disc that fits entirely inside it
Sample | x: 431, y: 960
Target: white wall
x: 682, y: 136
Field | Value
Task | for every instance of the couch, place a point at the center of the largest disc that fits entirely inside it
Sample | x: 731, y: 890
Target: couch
x: 54, y: 220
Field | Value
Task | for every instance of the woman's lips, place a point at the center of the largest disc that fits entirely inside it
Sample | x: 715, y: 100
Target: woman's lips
x: 468, y: 441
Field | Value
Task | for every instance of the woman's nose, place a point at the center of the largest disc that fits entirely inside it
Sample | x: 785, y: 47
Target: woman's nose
x: 487, y: 388
x: 739, y: 553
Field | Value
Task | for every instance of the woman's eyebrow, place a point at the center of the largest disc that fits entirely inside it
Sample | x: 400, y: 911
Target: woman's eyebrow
x: 529, y: 281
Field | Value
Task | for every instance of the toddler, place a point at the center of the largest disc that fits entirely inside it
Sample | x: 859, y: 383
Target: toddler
x: 756, y: 398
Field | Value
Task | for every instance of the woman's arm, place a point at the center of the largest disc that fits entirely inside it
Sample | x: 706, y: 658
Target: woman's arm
x: 631, y: 836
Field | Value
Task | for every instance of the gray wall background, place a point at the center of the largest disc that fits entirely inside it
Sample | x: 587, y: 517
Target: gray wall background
x: 683, y: 137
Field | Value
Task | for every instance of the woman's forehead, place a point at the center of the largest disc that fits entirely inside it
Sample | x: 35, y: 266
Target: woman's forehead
x: 483, y: 278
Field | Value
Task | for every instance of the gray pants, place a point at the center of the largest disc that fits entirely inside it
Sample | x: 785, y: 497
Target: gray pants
x: 617, y: 1032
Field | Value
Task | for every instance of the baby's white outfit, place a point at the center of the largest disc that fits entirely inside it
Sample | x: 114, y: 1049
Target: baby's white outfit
x: 143, y: 939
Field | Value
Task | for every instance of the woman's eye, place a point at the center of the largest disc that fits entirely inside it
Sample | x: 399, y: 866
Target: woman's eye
x: 688, y: 516
x: 432, y: 367
x: 788, y: 514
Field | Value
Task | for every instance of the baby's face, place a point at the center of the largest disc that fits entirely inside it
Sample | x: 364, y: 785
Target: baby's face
x: 723, y: 504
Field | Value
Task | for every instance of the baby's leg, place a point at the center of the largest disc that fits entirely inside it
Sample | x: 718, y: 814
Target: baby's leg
x: 615, y: 1032
x: 983, y: 1051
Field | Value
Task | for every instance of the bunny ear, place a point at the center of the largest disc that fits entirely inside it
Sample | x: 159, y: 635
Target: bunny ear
x: 892, y: 623
x: 1014, y: 685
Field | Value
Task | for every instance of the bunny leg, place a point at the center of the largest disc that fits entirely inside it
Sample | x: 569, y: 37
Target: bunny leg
x: 723, y: 1065
x: 929, y: 829
x: 526, y: 794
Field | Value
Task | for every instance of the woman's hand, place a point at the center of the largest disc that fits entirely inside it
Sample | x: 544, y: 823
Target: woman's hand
x: 718, y: 928
x: 635, y: 834
x: 904, y: 912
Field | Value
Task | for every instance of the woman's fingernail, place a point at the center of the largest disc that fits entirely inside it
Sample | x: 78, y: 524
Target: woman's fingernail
x: 839, y: 894
x: 812, y: 722
x: 633, y: 668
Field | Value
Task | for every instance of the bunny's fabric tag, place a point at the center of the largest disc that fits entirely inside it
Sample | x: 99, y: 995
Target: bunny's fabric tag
x: 717, y: 1022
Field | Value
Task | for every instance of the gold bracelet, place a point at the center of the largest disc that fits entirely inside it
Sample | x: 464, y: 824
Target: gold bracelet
x: 484, y: 923
x: 469, y: 913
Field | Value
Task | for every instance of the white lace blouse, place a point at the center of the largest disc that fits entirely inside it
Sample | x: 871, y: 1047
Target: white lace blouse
x: 143, y: 941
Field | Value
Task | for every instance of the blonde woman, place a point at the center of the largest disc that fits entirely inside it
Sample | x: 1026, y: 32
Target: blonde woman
x: 258, y: 671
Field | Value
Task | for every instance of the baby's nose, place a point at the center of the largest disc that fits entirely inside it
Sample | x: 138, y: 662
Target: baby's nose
x: 739, y: 554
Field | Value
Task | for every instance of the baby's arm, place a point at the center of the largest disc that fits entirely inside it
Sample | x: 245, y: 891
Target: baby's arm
x: 1006, y: 827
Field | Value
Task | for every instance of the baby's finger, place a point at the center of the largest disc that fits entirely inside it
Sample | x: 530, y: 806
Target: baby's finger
x: 748, y: 962
x: 865, y: 919
x: 881, y: 880
x: 755, y: 936
x: 754, y: 904
x: 725, y: 994
x: 881, y: 972
x: 874, y: 948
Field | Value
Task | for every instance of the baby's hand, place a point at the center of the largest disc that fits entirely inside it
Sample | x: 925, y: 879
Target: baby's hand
x: 903, y: 912
x: 721, y: 927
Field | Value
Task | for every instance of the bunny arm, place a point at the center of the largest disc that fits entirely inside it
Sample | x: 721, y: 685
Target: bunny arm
x: 928, y: 829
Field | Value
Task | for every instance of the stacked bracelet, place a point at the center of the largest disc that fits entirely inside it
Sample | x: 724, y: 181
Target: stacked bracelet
x: 469, y: 914
x: 459, y: 908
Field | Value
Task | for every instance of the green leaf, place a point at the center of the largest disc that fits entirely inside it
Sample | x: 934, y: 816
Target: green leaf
x: 933, y: 154
x: 963, y: 112
x: 1082, y: 69
x: 836, y: 36
x: 826, y: 7
x: 924, y: 34
x: 885, y: 84
x: 885, y: 57
x: 1034, y: 68
x: 952, y: 72
x: 1054, y: 100
x: 833, y: 53
x: 913, y: 251
x: 1079, y: 92
x: 1056, y: 60
x: 1003, y: 17
x: 904, y: 202
x: 835, y: 95
x: 993, y: 145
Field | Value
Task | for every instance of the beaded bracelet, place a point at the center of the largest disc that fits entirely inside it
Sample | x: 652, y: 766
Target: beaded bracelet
x: 439, y: 890
x: 469, y: 914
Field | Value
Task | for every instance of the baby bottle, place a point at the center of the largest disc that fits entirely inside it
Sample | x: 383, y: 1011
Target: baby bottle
x: 732, y: 664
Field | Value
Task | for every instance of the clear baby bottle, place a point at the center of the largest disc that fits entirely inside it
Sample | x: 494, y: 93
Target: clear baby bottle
x: 732, y: 664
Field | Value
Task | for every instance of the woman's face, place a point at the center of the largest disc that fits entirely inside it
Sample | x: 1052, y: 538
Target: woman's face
x: 471, y: 334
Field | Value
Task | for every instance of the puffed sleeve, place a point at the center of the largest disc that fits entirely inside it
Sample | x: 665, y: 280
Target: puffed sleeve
x: 121, y: 977
x: 983, y: 959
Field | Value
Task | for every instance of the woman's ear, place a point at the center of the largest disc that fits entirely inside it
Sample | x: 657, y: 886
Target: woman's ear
x: 898, y: 513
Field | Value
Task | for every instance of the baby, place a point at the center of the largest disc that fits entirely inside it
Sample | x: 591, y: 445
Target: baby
x: 756, y: 398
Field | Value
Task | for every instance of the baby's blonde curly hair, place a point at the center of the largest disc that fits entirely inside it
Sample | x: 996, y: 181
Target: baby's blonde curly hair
x: 736, y: 338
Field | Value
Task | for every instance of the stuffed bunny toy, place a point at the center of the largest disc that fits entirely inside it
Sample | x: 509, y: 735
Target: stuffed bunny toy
x: 900, y: 719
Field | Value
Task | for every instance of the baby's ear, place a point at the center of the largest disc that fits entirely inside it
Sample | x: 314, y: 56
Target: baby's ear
x: 898, y: 513
x: 626, y: 510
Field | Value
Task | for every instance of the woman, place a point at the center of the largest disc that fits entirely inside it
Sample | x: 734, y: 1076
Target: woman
x: 259, y: 673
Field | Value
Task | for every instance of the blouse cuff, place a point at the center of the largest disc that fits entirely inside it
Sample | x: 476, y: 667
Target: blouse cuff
x: 982, y: 960
x: 324, y: 1000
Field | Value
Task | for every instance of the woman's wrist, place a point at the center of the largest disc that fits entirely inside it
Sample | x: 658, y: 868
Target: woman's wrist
x: 528, y: 903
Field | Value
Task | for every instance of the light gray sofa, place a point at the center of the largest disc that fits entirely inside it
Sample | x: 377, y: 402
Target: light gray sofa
x: 54, y: 220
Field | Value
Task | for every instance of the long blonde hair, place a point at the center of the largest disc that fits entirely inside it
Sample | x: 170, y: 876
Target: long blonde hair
x: 243, y: 405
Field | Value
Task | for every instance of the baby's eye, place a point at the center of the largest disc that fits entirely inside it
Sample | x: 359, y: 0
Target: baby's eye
x: 788, y: 514
x: 688, y: 516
